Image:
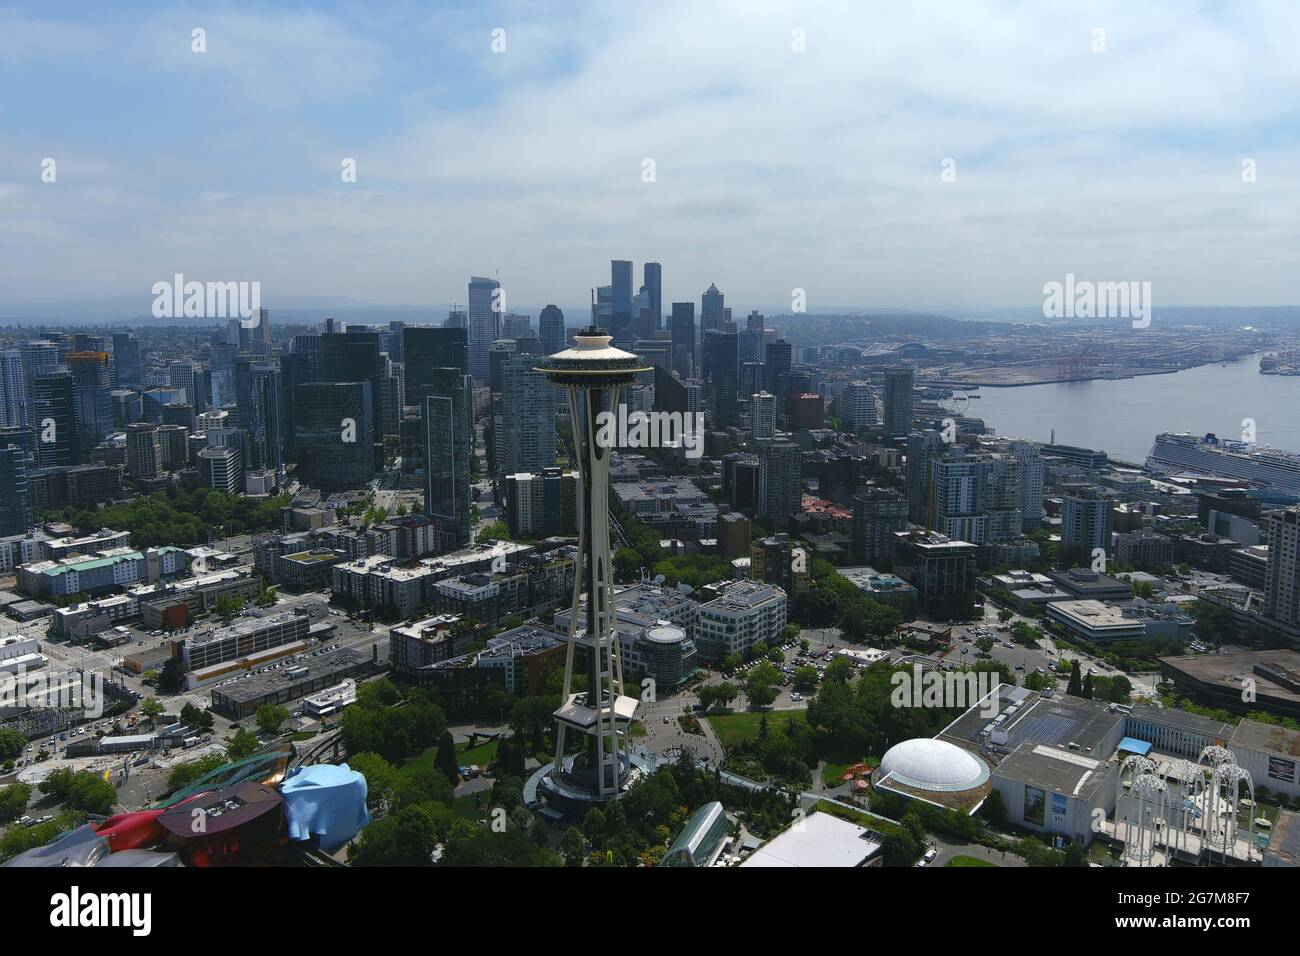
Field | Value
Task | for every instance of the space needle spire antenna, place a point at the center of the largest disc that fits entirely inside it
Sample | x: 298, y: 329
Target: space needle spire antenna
x: 593, y: 373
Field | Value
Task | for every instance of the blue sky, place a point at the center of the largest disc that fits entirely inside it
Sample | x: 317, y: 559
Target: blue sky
x: 775, y: 168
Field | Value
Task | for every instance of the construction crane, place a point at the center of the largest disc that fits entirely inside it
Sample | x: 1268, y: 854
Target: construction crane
x: 1073, y: 368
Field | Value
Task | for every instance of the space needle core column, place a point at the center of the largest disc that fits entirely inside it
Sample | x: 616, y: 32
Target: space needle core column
x: 593, y: 373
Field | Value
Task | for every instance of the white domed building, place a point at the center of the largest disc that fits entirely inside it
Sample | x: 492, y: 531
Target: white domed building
x: 935, y: 771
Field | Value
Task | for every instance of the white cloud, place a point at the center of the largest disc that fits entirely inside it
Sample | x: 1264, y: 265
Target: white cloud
x: 775, y: 169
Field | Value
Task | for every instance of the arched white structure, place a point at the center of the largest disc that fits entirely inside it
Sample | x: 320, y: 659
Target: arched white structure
x: 1214, y: 755
x: 928, y: 764
x: 1219, y: 826
x: 1132, y: 766
x: 1186, y: 782
x: 1147, y: 821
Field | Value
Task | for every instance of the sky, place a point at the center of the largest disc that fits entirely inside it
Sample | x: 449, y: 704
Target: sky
x: 805, y: 146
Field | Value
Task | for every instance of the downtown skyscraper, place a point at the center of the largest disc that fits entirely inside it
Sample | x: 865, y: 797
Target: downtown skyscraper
x: 484, y: 317
x: 527, y: 417
x: 447, y: 414
x: 653, y: 280
x: 550, y: 330
x: 898, y: 401
x: 682, y: 330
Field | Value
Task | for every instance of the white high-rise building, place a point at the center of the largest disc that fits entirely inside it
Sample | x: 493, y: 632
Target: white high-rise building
x: 13, y: 389
x: 1032, y: 473
x: 527, y: 417
x: 858, y: 406
x: 960, y: 487
x: 1282, y: 579
x: 762, y: 415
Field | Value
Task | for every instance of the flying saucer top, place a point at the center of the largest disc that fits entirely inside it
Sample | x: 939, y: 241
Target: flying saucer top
x: 592, y: 355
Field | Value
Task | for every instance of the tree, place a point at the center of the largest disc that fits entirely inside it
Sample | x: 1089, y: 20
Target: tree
x: 1004, y: 615
x: 406, y: 838
x: 183, y: 775
x: 446, y: 759
x: 1075, y: 686
x: 626, y: 563
x: 80, y: 790
x: 152, y: 708
x: 13, y: 801
x: 91, y: 793
x: 994, y: 810
x: 573, y: 846
x: 243, y: 744
x: 57, y: 783
x: 424, y: 784
x: 488, y: 848
x: 171, y: 679
x: 381, y: 777
x: 839, y: 671
x: 269, y: 717
x: 805, y: 677
x: 1214, y: 623
x: 227, y: 607
x: 12, y: 743
x: 1076, y: 855
x: 1087, y: 686
x: 512, y: 754
x: 196, y: 716
x: 532, y: 716
x: 717, y: 695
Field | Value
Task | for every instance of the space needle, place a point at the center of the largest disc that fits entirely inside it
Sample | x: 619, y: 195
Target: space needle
x: 593, y: 373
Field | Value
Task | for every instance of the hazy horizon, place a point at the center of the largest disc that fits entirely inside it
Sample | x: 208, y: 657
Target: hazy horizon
x: 932, y: 158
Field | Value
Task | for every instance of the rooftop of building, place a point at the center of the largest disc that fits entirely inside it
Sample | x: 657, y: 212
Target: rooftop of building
x: 1228, y: 671
x: 435, y: 628
x: 477, y: 553
x: 1055, y: 769
x: 930, y: 540
x: 1092, y: 614
x: 1028, y: 716
x: 1284, y: 841
x: 522, y: 641
x: 252, y: 625
x: 870, y: 579
x: 1182, y: 720
x: 820, y: 840
x: 259, y: 685
x: 366, y: 565
x: 1267, y: 738
x: 1085, y: 581
x: 742, y: 595
x: 314, y: 556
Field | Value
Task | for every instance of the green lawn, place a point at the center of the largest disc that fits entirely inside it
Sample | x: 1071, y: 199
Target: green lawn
x: 969, y: 861
x: 482, y: 755
x: 737, y: 728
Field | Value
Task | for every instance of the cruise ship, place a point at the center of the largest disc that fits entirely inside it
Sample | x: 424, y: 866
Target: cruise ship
x: 1220, y: 457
